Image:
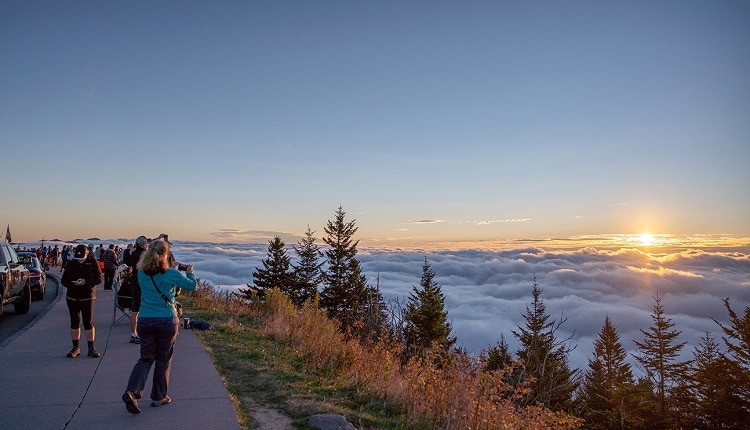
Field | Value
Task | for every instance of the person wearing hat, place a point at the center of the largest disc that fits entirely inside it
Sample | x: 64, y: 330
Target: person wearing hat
x: 80, y: 279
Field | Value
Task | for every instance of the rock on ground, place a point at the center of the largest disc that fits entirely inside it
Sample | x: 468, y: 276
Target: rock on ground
x: 330, y: 422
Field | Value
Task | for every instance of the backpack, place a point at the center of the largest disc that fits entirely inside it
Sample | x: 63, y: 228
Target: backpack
x: 125, y: 293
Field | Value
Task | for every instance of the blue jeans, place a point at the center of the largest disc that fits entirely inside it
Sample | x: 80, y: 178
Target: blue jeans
x: 157, y: 344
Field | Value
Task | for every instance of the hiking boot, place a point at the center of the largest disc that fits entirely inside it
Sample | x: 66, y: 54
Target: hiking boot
x: 93, y: 353
x: 75, y: 352
x: 135, y: 339
x: 165, y: 401
x: 130, y: 403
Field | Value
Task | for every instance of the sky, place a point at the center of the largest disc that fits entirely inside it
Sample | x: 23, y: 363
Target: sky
x: 427, y: 122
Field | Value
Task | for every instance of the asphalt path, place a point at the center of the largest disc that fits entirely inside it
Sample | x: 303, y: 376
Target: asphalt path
x: 12, y: 323
x: 40, y: 388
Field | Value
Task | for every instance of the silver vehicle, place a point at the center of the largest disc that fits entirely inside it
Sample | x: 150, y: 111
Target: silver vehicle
x: 15, y: 285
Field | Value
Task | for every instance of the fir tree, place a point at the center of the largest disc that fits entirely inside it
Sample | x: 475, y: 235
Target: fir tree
x: 658, y: 354
x: 709, y: 398
x: 345, y: 292
x: 499, y: 356
x: 544, y: 358
x: 604, y: 388
x: 374, y: 317
x: 308, y: 271
x: 275, y: 273
x: 597, y: 408
x: 737, y: 340
x: 427, y: 325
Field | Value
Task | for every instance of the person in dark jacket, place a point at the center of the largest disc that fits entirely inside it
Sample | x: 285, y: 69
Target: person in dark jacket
x: 109, y: 258
x: 80, y: 278
x: 131, y: 260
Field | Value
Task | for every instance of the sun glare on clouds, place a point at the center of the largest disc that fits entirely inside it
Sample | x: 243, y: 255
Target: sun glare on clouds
x: 646, y: 239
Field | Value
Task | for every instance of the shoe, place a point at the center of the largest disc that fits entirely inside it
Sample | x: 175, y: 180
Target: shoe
x: 135, y: 339
x: 93, y: 353
x: 74, y: 352
x: 165, y: 401
x: 130, y: 403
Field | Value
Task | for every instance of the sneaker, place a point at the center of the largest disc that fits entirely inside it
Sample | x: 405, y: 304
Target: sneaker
x: 165, y: 401
x: 135, y: 339
x: 130, y: 403
x: 93, y: 353
x: 74, y: 352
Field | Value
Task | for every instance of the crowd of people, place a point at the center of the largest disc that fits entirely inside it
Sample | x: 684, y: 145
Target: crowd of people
x: 150, y: 269
x: 55, y: 256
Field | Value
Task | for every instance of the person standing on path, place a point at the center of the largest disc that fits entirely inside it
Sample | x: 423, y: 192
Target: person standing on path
x: 80, y: 279
x: 131, y: 259
x: 109, y: 258
x: 157, y: 324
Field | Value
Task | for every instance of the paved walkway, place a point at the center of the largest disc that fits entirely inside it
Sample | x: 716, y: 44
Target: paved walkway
x: 40, y: 388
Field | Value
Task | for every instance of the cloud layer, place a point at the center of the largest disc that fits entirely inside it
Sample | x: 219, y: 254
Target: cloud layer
x: 487, y: 291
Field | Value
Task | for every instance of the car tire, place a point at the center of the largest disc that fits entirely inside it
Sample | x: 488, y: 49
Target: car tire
x: 22, y: 306
x: 3, y: 289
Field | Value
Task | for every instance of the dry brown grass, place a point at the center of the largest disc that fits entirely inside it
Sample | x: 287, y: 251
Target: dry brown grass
x: 449, y: 394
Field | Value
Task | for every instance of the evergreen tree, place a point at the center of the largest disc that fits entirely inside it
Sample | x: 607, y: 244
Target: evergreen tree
x: 658, y: 354
x: 544, y: 358
x: 374, y: 317
x: 345, y: 294
x: 499, y: 356
x: 308, y: 271
x: 275, y: 273
x: 709, y: 398
x: 604, y: 388
x: 737, y: 340
x: 427, y: 326
x: 597, y: 408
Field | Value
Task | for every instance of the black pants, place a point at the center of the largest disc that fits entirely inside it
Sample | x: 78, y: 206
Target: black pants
x: 109, y: 278
x: 81, y: 309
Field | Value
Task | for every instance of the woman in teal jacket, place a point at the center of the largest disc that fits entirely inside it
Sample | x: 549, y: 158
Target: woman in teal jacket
x: 157, y: 323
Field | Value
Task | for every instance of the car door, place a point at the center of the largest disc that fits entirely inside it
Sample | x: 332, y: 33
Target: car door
x: 17, y: 272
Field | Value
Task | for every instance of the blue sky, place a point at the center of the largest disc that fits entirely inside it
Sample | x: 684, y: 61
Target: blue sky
x: 426, y: 121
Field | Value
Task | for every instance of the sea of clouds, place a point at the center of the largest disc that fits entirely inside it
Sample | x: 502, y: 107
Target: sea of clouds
x: 487, y: 291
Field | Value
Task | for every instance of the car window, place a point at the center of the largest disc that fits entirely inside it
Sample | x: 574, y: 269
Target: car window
x: 4, y: 256
x: 12, y: 256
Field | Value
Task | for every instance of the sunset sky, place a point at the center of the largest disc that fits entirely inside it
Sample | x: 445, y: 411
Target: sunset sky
x: 426, y: 121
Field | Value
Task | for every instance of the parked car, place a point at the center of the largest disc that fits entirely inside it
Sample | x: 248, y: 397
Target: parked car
x: 37, y: 276
x: 15, y: 286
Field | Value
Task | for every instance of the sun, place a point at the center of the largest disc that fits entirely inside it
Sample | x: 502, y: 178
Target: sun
x: 646, y: 239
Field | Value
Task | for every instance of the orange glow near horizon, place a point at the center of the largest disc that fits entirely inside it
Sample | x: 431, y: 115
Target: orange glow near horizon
x: 647, y: 242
